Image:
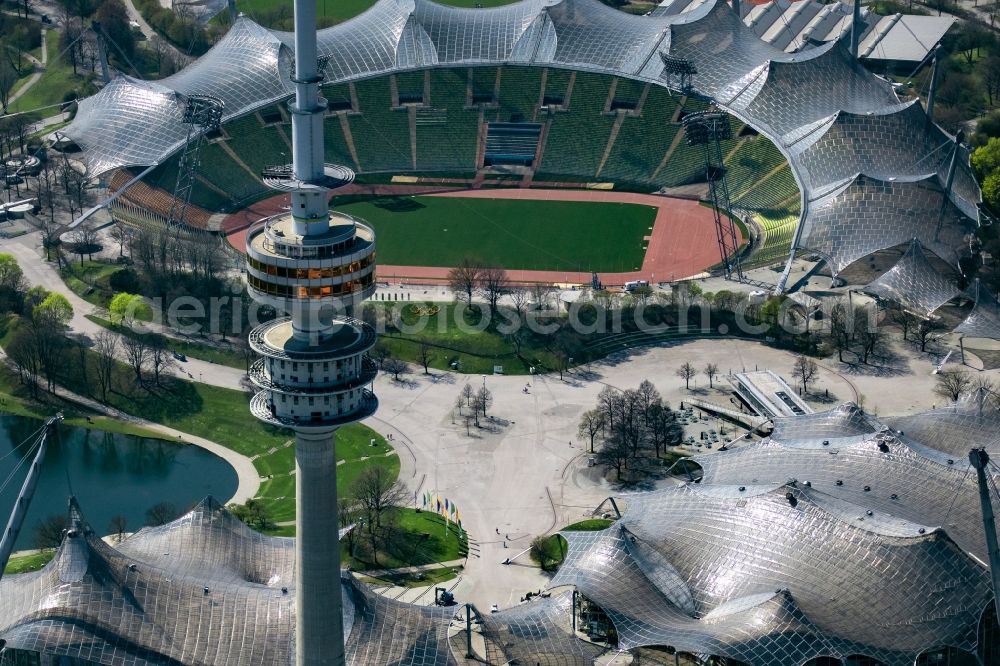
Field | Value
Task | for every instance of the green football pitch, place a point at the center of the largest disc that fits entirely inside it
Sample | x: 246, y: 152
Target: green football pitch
x: 513, y: 234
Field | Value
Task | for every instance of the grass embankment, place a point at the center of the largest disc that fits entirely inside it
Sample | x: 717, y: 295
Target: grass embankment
x: 28, y: 563
x: 90, y: 280
x: 204, y: 352
x: 458, y: 333
x: 422, y: 539
x: 57, y: 79
x: 513, y: 234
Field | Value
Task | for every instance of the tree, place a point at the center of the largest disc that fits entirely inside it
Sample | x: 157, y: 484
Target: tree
x: 592, y: 423
x: 925, y: 330
x: 664, y: 430
x: 519, y: 297
x: 121, y: 235
x: 953, y: 384
x: 872, y: 339
x: 841, y: 328
x: 161, y: 514
x: 105, y: 348
x: 379, y: 353
x: 85, y: 240
x: 426, y: 354
x: 125, y: 308
x: 483, y: 400
x: 548, y: 551
x: 12, y: 284
x: 118, y: 526
x: 395, y: 367
x: 904, y: 319
x: 49, y: 532
x: 22, y: 350
x: 378, y: 495
x: 55, y: 310
x: 686, y: 372
x: 464, y: 278
x: 804, y: 370
x: 253, y: 513
x: 615, y: 452
x: 493, y: 285
x: 711, y: 370
x: 467, y: 394
x: 114, y: 22
x: 137, y: 355
x: 48, y: 324
x: 161, y: 358
x: 8, y: 77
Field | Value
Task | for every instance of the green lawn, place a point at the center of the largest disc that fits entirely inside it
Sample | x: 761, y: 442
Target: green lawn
x: 57, y: 80
x: 539, y: 235
x: 210, y: 353
x: 29, y: 563
x: 591, y: 525
x: 90, y: 280
x: 475, y: 346
x: 422, y: 538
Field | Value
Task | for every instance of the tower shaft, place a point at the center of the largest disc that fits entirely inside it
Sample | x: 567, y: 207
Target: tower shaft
x: 319, y: 630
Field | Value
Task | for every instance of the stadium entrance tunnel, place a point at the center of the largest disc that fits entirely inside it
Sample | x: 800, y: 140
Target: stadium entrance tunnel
x: 559, y: 126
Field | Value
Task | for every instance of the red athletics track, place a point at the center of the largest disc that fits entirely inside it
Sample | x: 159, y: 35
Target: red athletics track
x: 682, y: 243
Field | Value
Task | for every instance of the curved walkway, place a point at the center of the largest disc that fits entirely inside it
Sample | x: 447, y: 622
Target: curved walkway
x: 39, y: 70
x: 682, y: 243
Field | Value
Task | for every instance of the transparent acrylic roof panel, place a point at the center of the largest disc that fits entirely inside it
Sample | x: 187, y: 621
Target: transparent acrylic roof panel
x: 984, y: 320
x: 954, y: 429
x: 867, y: 215
x: 914, y: 283
x: 894, y: 142
x: 891, y: 476
x: 729, y: 545
x: 593, y: 35
x: 475, y: 35
x: 128, y: 123
x: 537, y: 632
x: 242, y: 70
x: 844, y: 422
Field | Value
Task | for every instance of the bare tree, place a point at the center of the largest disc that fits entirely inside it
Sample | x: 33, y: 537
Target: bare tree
x: 904, y: 319
x: 615, y: 452
x: 925, y: 332
x: 378, y: 495
x: 872, y: 339
x: 592, y: 423
x: 49, y: 532
x: 805, y: 370
x: 464, y: 278
x: 493, y: 285
x: 105, y: 348
x: 118, y: 526
x: 519, y: 297
x: 953, y: 384
x: 161, y: 514
x: 710, y: 371
x: 161, y: 359
x: 426, y: 354
x: 22, y: 350
x: 841, y: 328
x: 137, y: 355
x: 468, y: 393
x: 395, y: 367
x: 85, y: 240
x: 121, y: 235
x: 483, y: 400
x: 686, y: 372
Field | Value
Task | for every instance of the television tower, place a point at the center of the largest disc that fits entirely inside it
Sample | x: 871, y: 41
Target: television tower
x: 314, y: 373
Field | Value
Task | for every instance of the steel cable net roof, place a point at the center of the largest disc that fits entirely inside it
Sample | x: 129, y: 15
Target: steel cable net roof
x: 204, y: 589
x: 813, y: 106
x: 866, y: 214
x: 779, y: 574
x: 914, y: 283
x: 954, y: 428
x: 984, y: 320
x: 844, y: 423
x: 537, y: 632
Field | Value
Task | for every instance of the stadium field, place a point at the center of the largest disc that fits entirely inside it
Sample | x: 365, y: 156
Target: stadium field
x: 514, y: 234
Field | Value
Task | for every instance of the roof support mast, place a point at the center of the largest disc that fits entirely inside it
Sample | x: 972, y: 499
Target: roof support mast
x: 17, y: 516
x: 979, y: 459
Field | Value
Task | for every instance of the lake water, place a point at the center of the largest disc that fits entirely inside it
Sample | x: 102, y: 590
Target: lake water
x: 109, y: 474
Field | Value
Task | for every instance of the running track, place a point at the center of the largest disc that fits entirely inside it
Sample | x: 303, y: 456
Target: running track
x: 682, y: 243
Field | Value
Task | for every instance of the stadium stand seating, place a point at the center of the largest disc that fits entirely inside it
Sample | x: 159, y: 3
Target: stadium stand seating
x: 776, y: 241
x: 145, y: 207
x: 447, y: 131
x: 643, y: 140
x: 256, y: 144
x: 577, y: 138
x: 381, y: 134
x: 519, y: 92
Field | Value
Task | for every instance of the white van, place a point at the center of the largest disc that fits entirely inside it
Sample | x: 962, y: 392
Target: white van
x: 632, y: 285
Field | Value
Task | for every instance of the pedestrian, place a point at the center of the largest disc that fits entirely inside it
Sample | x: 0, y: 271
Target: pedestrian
x: 498, y: 530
